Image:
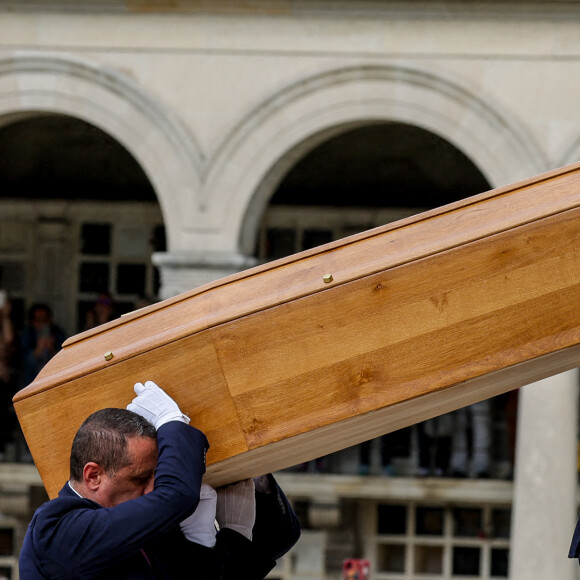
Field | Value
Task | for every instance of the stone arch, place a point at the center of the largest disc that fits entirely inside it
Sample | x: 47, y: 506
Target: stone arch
x: 262, y: 148
x: 40, y: 83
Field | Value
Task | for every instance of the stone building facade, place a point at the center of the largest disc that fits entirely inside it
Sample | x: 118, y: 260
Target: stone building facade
x: 148, y: 147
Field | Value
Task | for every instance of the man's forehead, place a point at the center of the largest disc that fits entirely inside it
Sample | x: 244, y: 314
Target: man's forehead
x: 141, y: 447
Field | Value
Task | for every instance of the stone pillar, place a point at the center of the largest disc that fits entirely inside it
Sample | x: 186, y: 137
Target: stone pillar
x: 53, y: 268
x: 183, y: 271
x: 545, y: 485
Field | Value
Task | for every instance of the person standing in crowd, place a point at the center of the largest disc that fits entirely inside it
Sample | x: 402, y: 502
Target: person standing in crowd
x: 471, y: 460
x: 7, y: 372
x: 435, y: 445
x: 40, y: 340
x: 102, y: 311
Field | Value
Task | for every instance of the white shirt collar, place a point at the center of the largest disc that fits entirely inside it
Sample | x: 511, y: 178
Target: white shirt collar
x: 70, y: 485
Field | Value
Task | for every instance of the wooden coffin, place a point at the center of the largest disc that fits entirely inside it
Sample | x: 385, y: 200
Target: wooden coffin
x: 310, y: 354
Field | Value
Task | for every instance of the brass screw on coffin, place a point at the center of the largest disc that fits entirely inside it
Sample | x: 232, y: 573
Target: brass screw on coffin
x: 109, y: 355
x: 327, y: 278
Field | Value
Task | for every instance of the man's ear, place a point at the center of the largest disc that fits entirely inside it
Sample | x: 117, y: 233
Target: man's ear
x: 92, y: 473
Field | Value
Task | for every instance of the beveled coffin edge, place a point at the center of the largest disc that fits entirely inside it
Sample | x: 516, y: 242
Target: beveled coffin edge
x: 331, y: 438
x: 302, y: 274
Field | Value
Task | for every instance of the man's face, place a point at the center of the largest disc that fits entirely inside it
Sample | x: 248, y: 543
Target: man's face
x: 134, y: 480
x: 40, y: 318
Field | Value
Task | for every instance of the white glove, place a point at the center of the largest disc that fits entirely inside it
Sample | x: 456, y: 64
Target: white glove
x: 199, y: 527
x: 236, y: 507
x: 155, y: 405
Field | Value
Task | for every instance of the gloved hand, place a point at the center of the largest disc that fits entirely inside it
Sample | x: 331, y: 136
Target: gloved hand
x: 155, y: 405
x: 236, y: 507
x: 199, y: 527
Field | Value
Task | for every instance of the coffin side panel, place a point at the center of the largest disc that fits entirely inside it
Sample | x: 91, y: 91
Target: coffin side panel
x: 404, y: 333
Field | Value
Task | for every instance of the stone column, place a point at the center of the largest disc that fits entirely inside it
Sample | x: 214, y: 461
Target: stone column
x: 545, y: 485
x: 53, y: 268
x: 183, y: 271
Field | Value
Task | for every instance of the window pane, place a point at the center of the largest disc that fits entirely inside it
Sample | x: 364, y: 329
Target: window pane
x: 122, y: 307
x: 392, y: 519
x: 467, y: 522
x: 131, y: 278
x: 12, y: 276
x: 132, y: 241
x: 96, y: 239
x: 94, y: 277
x: 499, y: 562
x: 280, y: 242
x: 391, y: 558
x: 501, y: 523
x: 429, y: 521
x: 312, y: 238
x: 429, y: 560
x: 6, y: 542
x: 466, y: 561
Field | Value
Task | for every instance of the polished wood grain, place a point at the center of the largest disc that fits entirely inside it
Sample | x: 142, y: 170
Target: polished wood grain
x: 278, y: 366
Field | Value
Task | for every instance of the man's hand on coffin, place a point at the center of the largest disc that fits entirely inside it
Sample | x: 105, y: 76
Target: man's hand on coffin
x: 236, y: 507
x: 199, y: 527
x: 155, y: 405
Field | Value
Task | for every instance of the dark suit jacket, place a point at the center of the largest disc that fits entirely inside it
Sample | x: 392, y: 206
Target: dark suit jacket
x: 75, y: 538
x: 575, y: 546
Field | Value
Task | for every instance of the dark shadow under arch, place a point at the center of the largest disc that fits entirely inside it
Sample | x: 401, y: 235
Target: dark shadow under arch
x: 51, y: 156
x: 385, y: 164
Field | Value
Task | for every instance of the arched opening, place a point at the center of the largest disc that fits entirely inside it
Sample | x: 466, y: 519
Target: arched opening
x: 53, y: 156
x: 360, y: 179
x: 387, y: 164
x: 79, y: 219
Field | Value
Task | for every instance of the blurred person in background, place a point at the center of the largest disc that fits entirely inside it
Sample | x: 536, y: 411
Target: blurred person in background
x: 40, y: 340
x: 102, y: 311
x: 7, y: 372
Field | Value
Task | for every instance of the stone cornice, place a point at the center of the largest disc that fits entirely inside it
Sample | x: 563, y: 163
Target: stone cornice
x: 448, y: 9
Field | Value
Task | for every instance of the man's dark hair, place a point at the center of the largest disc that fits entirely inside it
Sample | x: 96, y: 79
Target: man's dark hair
x: 102, y: 438
x: 39, y: 306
